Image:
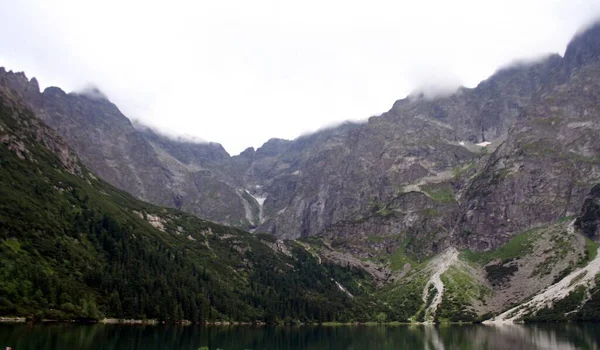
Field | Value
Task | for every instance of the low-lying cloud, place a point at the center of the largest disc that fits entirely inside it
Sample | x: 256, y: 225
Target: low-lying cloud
x: 240, y: 72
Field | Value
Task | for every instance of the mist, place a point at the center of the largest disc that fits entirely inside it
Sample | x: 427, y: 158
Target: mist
x: 240, y: 73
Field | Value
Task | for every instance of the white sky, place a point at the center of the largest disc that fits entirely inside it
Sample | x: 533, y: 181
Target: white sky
x: 241, y: 72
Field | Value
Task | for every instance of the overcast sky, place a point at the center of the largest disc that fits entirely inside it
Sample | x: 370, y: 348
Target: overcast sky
x: 241, y: 72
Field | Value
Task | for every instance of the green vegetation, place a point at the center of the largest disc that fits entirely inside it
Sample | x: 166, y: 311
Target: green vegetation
x: 565, y: 219
x: 590, y: 310
x: 420, y: 315
x: 461, y: 291
x: 375, y: 238
x: 561, y: 246
x: 430, y: 213
x: 381, y: 317
x: 405, y: 298
x: 460, y: 171
x: 560, y: 310
x: 74, y: 247
x: 591, y: 250
x: 255, y: 210
x: 441, y: 192
x: 402, y: 256
x: 516, y: 247
x: 399, y: 258
x: 549, y: 121
x: 545, y: 148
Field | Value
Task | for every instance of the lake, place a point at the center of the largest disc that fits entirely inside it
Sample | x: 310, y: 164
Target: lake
x: 99, y: 336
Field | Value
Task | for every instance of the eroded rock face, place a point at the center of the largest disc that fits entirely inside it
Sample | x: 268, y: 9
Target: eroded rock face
x: 545, y: 168
x: 137, y: 161
x: 354, y: 180
x: 337, y: 174
x: 20, y: 142
x: 588, y: 220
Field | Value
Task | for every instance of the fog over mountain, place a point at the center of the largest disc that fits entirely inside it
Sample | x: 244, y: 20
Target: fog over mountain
x: 239, y: 73
x: 469, y: 204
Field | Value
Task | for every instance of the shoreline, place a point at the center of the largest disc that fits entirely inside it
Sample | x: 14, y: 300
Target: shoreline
x: 154, y: 322
x: 13, y: 319
x: 134, y: 322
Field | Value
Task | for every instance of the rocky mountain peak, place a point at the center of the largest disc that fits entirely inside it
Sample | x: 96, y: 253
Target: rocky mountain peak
x: 54, y: 91
x: 584, y: 47
x: 343, y: 173
x: 248, y: 152
x: 19, y: 82
x: 187, y: 151
x: 92, y: 92
x: 273, y: 147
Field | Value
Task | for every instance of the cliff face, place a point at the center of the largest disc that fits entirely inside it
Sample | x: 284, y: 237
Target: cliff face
x: 545, y: 168
x: 338, y: 174
x: 473, y: 168
x: 137, y: 161
x: 91, y: 251
x: 504, y: 176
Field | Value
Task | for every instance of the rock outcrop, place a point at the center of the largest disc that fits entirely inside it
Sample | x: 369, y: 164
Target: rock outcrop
x: 470, y: 169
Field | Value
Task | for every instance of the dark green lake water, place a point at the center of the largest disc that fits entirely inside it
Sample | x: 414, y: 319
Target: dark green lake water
x: 513, y: 337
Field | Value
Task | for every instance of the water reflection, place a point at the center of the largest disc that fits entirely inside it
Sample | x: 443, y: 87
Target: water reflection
x: 112, y: 337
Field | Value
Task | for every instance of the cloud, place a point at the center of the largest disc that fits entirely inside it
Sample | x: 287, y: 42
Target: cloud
x: 242, y: 72
x: 184, y: 138
x: 91, y: 91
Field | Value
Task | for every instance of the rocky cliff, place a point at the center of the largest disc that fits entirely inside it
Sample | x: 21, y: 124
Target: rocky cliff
x: 457, y: 207
x: 473, y: 168
x: 151, y: 167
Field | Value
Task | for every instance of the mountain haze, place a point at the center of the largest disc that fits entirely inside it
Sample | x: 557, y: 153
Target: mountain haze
x: 476, y: 205
x: 74, y: 247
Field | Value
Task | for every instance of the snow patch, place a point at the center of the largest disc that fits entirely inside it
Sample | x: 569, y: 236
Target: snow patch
x: 483, y: 144
x: 261, y: 201
x: 462, y: 143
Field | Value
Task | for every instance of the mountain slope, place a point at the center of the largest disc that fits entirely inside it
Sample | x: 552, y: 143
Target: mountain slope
x: 72, y: 246
x: 545, y: 168
x: 293, y: 188
x: 455, y: 208
x: 110, y: 146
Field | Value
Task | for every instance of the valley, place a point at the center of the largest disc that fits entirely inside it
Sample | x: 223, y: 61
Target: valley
x: 479, y: 206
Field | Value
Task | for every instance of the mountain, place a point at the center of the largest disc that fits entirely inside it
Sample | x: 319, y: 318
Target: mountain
x: 74, y: 247
x: 482, y: 204
x: 291, y: 188
x: 133, y: 160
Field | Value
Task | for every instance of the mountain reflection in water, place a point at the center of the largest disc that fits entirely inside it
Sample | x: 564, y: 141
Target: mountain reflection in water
x: 110, y: 337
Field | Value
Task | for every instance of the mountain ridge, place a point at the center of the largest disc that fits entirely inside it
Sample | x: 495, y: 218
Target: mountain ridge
x: 449, y: 209
x: 301, y: 180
